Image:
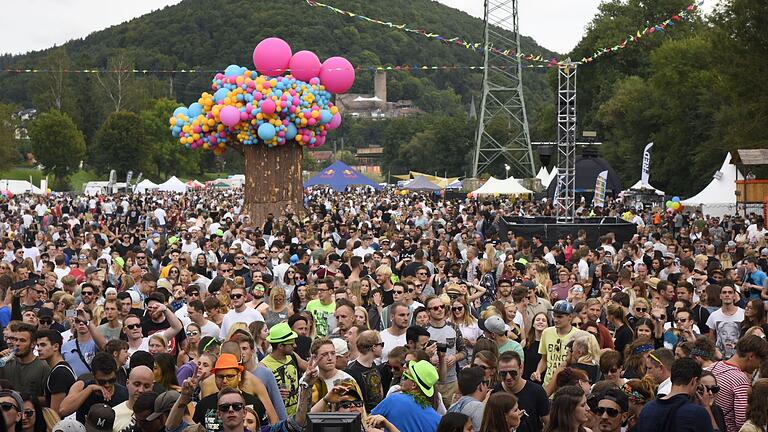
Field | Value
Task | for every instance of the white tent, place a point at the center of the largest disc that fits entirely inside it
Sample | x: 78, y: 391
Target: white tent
x: 494, y: 186
x: 194, y: 184
x: 17, y: 187
x: 145, y: 185
x: 173, y: 184
x: 639, y: 186
x: 719, y: 197
x: 542, y: 174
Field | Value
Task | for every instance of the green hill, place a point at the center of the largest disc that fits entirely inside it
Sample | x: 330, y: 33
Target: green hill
x: 205, y: 35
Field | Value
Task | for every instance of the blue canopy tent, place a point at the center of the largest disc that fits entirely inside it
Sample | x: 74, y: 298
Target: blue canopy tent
x: 338, y: 176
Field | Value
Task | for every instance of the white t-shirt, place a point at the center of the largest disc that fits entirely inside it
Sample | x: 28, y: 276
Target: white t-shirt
x: 123, y: 417
x: 160, y: 216
x: 340, y: 376
x: 390, y: 342
x: 247, y: 316
x: 726, y: 327
x: 210, y: 329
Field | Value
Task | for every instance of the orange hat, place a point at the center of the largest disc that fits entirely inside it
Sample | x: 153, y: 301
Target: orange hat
x: 227, y: 361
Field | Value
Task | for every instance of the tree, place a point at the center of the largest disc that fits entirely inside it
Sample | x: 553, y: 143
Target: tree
x: 121, y: 145
x: 58, y: 145
x: 9, y: 122
x: 116, y: 80
x: 346, y: 156
x: 167, y: 156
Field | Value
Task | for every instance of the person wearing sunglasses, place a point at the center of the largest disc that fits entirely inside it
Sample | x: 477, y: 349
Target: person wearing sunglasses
x: 609, y: 410
x: 450, y: 345
x: 532, y: 398
x: 12, y: 405
x: 239, y: 312
x: 705, y: 396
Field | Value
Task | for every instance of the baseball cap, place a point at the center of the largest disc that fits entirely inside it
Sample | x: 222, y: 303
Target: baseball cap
x: 764, y: 252
x: 155, y: 296
x: 615, y: 395
x: 163, y: 403
x: 119, y: 261
x: 495, y: 325
x: 731, y: 244
x: 45, y: 313
x: 16, y: 397
x: 562, y: 307
x: 100, y: 418
x: 334, y: 257
x: 68, y: 425
x: 91, y: 270
x: 648, y: 245
x: 669, y: 255
x: 340, y: 346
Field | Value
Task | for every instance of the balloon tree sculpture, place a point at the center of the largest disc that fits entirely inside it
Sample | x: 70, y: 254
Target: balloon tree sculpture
x: 268, y: 117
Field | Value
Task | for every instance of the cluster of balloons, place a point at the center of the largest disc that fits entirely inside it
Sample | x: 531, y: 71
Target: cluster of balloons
x: 6, y: 194
x: 674, y: 204
x: 264, y: 107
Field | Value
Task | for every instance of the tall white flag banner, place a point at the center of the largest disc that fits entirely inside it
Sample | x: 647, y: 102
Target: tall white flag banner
x: 646, y: 165
x: 600, y: 183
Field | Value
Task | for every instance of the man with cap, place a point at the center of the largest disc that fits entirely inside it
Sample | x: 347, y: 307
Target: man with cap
x: 411, y: 409
x: 152, y: 409
x: 553, y: 341
x: 496, y: 330
x: 140, y: 380
x: 284, y: 365
x: 12, y: 406
x: 100, y: 418
x: 228, y: 373
x: 160, y: 318
x: 610, y: 408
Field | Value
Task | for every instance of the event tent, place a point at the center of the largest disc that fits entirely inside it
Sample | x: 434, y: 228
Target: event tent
x: 421, y: 184
x: 17, y: 187
x: 495, y: 186
x: 145, y: 185
x: 719, y: 197
x: 338, y: 176
x: 550, y: 176
x: 194, y: 184
x: 639, y: 186
x: 173, y: 184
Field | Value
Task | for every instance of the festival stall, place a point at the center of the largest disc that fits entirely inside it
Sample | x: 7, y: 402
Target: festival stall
x: 145, y: 186
x: 17, y: 187
x: 340, y: 175
x: 173, y: 184
x: 496, y: 186
x: 719, y: 197
x: 194, y: 184
x: 421, y: 184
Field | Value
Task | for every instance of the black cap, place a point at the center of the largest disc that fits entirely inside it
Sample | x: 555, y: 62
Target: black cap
x: 155, y: 296
x: 216, y: 284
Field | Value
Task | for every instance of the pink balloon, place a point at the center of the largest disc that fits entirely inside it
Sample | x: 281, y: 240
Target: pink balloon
x: 335, y: 121
x: 272, y: 56
x: 268, y: 106
x: 304, y: 65
x: 337, y: 75
x: 229, y: 115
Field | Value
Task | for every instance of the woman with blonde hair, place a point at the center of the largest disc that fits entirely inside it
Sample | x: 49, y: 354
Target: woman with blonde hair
x: 277, y: 311
x: 542, y: 279
x: 361, y: 317
x: 157, y: 344
x: 353, y: 292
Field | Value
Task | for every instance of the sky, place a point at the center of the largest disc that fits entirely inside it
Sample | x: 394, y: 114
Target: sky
x: 39, y: 24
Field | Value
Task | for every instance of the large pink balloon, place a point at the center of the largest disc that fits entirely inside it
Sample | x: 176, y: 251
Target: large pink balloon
x: 271, y: 56
x: 230, y: 115
x: 304, y: 65
x: 337, y: 75
x: 335, y: 121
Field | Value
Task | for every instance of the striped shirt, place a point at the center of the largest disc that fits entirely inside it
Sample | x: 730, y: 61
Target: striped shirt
x: 732, y: 398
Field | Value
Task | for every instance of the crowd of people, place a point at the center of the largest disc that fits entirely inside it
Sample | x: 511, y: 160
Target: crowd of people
x: 165, y: 312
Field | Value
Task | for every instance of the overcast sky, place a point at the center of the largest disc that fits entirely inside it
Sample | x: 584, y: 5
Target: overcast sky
x: 38, y: 24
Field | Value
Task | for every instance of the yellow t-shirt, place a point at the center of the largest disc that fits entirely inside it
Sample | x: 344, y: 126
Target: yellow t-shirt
x: 552, y: 347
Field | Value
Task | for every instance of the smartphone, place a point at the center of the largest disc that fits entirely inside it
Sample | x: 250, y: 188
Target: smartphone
x: 70, y: 313
x: 442, y: 347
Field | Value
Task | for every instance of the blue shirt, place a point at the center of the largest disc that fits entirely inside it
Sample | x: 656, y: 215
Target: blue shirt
x: 689, y: 417
x: 757, y: 277
x: 268, y: 379
x: 406, y: 415
x: 69, y: 352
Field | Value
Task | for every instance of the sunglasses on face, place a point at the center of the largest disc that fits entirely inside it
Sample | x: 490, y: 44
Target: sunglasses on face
x: 7, y: 406
x: 193, y: 333
x: 482, y: 366
x: 86, y: 293
x: 641, y: 310
x: 512, y: 373
x: 133, y: 326
x: 236, y: 407
x: 437, y: 308
x: 106, y: 382
x: 28, y: 413
x: 235, y: 296
x: 612, y: 412
x: 350, y: 404
x: 712, y: 389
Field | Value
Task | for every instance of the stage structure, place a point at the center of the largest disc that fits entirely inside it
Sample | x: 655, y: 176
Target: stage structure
x: 502, y: 96
x: 565, y: 195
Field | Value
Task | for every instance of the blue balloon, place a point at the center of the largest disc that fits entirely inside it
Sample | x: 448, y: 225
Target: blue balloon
x: 676, y: 199
x: 180, y: 110
x: 325, y: 116
x: 266, y: 131
x: 291, y: 131
x: 220, y: 94
x: 195, y: 109
x: 232, y: 70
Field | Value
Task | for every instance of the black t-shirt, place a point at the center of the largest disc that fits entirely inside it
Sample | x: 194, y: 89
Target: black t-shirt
x: 149, y: 327
x: 592, y: 371
x: 533, y: 399
x: 369, y: 380
x: 303, y: 343
x: 622, y: 338
x: 61, y: 378
x: 205, y: 411
x: 532, y: 355
x: 120, y: 396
